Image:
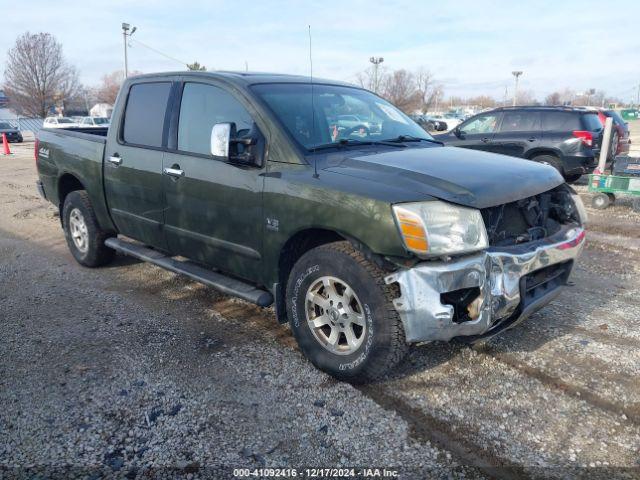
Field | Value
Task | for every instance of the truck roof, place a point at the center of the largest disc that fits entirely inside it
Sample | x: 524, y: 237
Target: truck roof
x: 244, y: 78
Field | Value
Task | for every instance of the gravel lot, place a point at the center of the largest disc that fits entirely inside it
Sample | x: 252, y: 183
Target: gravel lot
x: 131, y: 371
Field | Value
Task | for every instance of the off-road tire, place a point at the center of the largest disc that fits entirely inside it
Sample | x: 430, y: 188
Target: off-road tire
x: 96, y: 254
x: 384, y: 344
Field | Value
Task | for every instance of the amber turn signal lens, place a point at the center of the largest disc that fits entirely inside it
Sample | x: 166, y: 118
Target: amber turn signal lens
x: 412, y: 229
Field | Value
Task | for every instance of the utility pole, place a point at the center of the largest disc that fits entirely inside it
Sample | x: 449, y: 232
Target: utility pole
x: 638, y: 97
x: 376, y: 62
x: 516, y: 74
x: 125, y: 34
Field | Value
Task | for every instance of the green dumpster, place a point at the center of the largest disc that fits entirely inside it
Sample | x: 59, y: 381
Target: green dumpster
x: 630, y: 114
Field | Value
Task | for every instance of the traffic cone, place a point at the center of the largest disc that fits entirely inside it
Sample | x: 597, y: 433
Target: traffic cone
x: 5, y: 145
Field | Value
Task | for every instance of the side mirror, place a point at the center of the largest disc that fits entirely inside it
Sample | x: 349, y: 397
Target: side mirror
x: 221, y: 135
x: 226, y: 144
x: 457, y: 132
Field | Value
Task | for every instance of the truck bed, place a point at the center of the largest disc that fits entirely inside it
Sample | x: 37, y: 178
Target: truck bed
x: 73, y: 155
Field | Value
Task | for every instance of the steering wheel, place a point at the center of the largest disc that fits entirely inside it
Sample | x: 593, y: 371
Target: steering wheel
x: 363, y: 131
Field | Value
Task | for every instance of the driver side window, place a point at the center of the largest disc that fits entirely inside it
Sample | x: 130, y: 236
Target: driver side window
x: 481, y: 124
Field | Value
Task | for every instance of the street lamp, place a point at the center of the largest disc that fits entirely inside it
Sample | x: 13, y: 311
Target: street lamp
x: 125, y: 34
x: 516, y: 74
x: 376, y: 62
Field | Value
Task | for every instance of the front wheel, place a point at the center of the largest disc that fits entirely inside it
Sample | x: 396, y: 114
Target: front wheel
x: 342, y: 315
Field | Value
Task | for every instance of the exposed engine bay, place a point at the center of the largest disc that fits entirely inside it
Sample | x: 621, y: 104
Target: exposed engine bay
x: 531, y: 218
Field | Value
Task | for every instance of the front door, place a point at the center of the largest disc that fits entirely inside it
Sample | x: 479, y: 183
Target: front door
x: 476, y: 133
x: 213, y: 205
x: 133, y: 164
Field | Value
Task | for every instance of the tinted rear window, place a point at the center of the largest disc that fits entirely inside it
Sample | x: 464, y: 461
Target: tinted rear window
x: 591, y: 122
x: 144, y: 115
x: 562, y: 121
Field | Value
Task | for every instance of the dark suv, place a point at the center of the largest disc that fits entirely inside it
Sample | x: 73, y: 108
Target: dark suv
x: 567, y: 138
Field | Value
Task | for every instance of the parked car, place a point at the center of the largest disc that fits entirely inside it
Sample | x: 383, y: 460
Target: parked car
x: 430, y: 124
x: 355, y: 123
x: 567, y: 138
x: 98, y: 122
x: 59, y: 122
x: 13, y: 134
x: 364, y: 245
x: 450, y: 122
x: 620, y: 137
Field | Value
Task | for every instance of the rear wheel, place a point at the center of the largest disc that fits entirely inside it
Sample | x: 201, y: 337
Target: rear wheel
x: 550, y: 160
x: 600, y: 201
x: 84, y: 236
x: 342, y: 316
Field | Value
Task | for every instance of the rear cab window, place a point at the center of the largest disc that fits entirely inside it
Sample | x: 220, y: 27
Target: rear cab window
x: 144, y: 115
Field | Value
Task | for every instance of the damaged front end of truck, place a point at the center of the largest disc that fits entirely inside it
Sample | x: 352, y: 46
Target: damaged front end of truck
x: 532, y: 245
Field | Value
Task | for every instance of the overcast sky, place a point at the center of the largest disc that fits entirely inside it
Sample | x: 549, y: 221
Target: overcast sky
x: 470, y: 46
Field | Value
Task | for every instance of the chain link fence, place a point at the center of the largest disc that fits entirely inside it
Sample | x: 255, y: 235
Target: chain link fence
x: 28, y: 124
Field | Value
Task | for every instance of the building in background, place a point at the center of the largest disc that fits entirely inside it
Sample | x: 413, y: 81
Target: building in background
x: 101, y: 110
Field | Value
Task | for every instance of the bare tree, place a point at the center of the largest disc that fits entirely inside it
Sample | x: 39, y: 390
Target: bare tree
x: 400, y: 89
x: 37, y: 77
x: 367, y: 78
x: 553, y: 99
x: 108, y: 90
x: 427, y: 89
x: 526, y: 97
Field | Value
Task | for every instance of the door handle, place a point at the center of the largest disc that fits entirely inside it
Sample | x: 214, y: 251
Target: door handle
x: 173, y: 172
x: 115, y: 160
x: 532, y: 139
x: 486, y: 139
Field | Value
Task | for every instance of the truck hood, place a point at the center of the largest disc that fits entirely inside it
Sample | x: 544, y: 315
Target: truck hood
x: 458, y: 175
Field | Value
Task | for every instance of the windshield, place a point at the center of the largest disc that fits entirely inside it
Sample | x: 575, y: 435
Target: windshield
x: 342, y: 114
x: 4, y: 125
x: 100, y: 120
x: 64, y: 120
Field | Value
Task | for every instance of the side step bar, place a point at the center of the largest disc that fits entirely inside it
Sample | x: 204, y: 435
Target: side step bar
x: 221, y: 282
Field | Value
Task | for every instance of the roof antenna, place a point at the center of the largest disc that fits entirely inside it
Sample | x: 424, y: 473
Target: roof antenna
x: 313, y: 109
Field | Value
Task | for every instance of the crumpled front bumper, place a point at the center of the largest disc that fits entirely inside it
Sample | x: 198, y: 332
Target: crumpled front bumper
x: 511, y: 283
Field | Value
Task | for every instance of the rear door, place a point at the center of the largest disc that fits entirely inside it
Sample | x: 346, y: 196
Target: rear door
x: 519, y: 132
x: 476, y: 133
x: 213, y: 206
x: 133, y: 163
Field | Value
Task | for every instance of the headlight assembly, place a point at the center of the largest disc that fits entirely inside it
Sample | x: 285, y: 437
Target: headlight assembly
x: 432, y: 229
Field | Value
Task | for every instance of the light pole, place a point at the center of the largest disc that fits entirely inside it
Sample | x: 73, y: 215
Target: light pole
x: 516, y: 73
x: 376, y: 62
x: 125, y: 34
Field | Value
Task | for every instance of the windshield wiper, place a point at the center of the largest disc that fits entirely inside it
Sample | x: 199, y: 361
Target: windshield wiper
x: 346, y: 142
x: 411, y: 138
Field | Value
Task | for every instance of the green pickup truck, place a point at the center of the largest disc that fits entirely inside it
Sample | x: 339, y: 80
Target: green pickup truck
x: 364, y: 240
